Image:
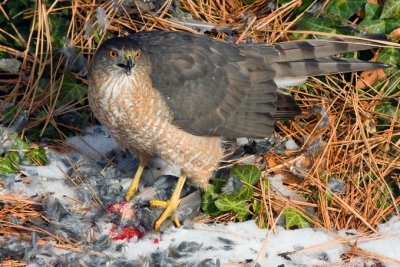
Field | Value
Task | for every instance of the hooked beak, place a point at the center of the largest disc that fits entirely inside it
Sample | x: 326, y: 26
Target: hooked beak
x: 128, y: 63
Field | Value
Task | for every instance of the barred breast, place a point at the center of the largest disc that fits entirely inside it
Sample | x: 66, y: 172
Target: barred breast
x: 139, y: 119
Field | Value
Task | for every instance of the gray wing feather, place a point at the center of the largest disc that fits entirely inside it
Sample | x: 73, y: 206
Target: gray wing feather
x: 217, y: 88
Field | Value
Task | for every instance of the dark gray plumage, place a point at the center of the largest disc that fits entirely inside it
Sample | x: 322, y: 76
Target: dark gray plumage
x: 216, y: 88
x: 221, y: 89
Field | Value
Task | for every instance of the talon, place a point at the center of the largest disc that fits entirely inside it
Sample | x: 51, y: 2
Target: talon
x: 171, y: 205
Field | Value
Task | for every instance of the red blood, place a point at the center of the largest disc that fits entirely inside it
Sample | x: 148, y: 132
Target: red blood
x: 126, y: 233
x: 156, y: 240
x: 116, y: 206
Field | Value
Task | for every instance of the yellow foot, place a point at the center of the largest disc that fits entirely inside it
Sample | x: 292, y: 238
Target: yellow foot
x: 171, y: 205
x: 133, y: 188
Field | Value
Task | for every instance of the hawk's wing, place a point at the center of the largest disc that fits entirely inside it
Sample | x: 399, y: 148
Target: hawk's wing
x: 217, y: 88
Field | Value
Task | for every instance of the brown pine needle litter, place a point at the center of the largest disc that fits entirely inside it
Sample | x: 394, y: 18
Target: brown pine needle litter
x: 338, y: 133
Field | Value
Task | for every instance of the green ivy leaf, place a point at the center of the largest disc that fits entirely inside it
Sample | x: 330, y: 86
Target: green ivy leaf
x: 228, y: 203
x: 390, y: 55
x: 391, y: 24
x: 84, y: 119
x: 72, y: 90
x: 256, y: 206
x: 247, y: 173
x: 391, y: 10
x: 18, y: 143
x: 242, y: 211
x: 320, y: 24
x: 245, y: 194
x: 218, y: 183
x: 209, y: 198
x: 344, y: 8
x: 388, y: 109
x: 374, y: 26
x: 38, y: 156
x: 6, y: 166
x: 372, y: 11
x: 59, y: 27
x: 14, y: 157
x: 294, y: 219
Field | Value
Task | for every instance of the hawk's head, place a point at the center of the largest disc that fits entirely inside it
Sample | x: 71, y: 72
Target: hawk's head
x: 117, y: 56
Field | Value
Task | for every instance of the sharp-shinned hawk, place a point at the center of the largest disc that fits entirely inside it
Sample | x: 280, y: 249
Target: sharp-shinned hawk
x: 176, y: 94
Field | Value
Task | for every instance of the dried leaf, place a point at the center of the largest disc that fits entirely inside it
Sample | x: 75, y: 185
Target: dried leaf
x: 395, y: 35
x: 369, y: 78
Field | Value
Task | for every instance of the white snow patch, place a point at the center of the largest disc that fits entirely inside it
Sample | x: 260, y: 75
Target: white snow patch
x: 388, y: 242
x: 95, y: 144
x: 55, y: 169
x: 247, y: 241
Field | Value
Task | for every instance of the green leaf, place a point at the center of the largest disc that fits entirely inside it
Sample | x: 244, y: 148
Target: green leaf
x: 227, y: 203
x: 390, y: 55
x: 372, y: 11
x: 209, y: 197
x: 218, y: 183
x: 59, y: 27
x: 37, y: 156
x: 256, y: 206
x: 391, y: 24
x: 247, y: 173
x: 14, y: 157
x: 388, y: 109
x: 18, y: 143
x: 245, y: 194
x: 72, y: 90
x: 294, y: 219
x: 344, y: 8
x: 391, y: 10
x: 320, y: 24
x: 267, y: 184
x: 391, y: 88
x: 374, y: 26
x: 84, y: 119
x: 242, y: 211
x: 6, y: 166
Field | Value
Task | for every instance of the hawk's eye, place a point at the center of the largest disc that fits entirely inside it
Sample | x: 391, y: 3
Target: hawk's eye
x: 113, y: 54
x: 138, y: 54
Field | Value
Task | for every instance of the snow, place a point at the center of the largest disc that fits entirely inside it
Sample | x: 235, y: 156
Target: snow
x: 389, y: 245
x: 194, y: 244
x: 94, y: 144
x: 238, y: 242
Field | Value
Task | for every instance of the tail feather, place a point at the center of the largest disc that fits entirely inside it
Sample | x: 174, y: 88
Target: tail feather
x: 322, y: 66
x: 309, y: 49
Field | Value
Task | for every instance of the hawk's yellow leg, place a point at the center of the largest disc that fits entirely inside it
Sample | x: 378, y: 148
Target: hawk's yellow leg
x: 133, y: 188
x: 171, y: 205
